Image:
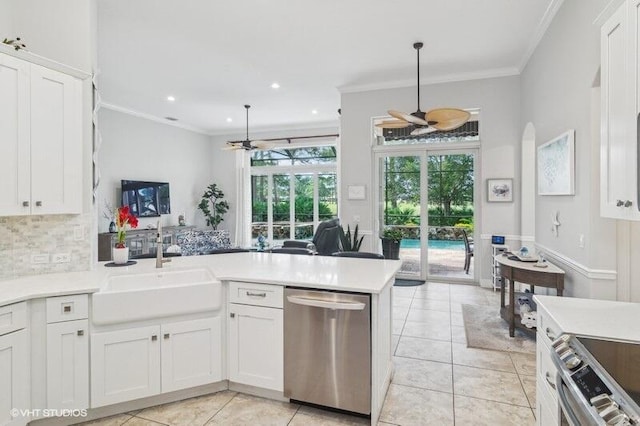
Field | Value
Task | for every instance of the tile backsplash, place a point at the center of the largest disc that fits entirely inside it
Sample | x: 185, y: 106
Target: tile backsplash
x: 31, y: 245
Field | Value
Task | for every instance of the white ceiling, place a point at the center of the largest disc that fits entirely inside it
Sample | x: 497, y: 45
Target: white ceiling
x: 216, y: 56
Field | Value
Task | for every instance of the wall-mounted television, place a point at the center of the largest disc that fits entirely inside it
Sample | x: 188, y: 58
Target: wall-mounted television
x: 146, y: 199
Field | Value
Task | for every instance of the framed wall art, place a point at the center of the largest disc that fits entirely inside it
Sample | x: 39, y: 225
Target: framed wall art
x: 556, y: 165
x: 499, y: 190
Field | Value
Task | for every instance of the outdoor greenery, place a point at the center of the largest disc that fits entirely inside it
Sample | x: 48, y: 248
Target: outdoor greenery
x: 393, y: 234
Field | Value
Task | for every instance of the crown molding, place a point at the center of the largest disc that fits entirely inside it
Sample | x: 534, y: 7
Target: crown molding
x: 607, y: 12
x: 541, y: 30
x: 449, y: 78
x: 151, y: 117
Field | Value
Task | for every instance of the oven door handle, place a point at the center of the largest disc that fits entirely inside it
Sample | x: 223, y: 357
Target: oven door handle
x: 564, y: 402
x: 326, y: 304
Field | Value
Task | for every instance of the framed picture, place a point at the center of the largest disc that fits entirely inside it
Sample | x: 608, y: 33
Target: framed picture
x: 499, y: 190
x: 356, y: 192
x: 556, y: 165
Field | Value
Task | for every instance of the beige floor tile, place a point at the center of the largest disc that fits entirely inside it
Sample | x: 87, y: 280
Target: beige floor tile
x: 430, y: 304
x: 402, y: 301
x: 403, y: 291
x: 529, y: 385
x: 312, y: 416
x: 397, y: 326
x: 409, y: 406
x: 193, y: 411
x: 493, y: 385
x: 426, y: 349
x: 482, y: 358
x: 137, y: 421
x: 395, y: 338
x: 456, y: 319
x: 458, y: 334
x: 466, y: 289
x: 424, y: 315
x: 525, y: 363
x: 116, y: 420
x: 418, y: 373
x: 456, y: 307
x: 474, y: 299
x: 432, y: 294
x: 427, y: 330
x: 400, y: 312
x: 250, y: 410
x: 433, y: 286
x: 477, y: 412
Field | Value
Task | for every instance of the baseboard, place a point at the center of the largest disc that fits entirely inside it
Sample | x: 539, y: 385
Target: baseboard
x: 255, y: 391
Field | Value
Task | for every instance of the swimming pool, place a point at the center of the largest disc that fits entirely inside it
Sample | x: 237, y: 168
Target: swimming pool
x: 434, y: 244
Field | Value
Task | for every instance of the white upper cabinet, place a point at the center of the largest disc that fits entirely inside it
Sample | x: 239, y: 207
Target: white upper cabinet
x: 620, y: 88
x: 40, y: 140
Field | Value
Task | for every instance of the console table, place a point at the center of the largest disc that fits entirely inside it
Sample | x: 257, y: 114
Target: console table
x: 526, y: 273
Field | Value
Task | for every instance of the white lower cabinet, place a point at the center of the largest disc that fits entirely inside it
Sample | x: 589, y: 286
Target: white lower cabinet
x: 145, y: 361
x: 68, y: 365
x: 548, y: 408
x: 14, y: 377
x: 256, y: 353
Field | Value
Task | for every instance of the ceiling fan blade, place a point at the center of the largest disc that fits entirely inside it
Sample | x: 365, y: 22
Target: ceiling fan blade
x: 422, y: 131
x: 393, y: 124
x: 407, y: 117
x: 231, y: 148
x: 261, y: 144
x: 447, y: 118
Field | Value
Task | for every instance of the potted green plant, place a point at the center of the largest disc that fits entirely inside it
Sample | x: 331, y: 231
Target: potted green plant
x: 391, y: 238
x: 349, y: 242
x: 213, y: 205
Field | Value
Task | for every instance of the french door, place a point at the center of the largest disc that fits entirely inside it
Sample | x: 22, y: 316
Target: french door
x: 430, y: 196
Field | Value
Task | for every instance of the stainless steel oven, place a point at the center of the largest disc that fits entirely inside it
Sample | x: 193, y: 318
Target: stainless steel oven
x: 598, y: 381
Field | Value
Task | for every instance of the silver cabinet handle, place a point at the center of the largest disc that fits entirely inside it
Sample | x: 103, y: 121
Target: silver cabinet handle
x: 619, y: 203
x: 25, y: 204
x: 66, y: 309
x: 232, y: 315
x: 154, y: 338
x: 628, y: 203
x: 80, y: 333
x: 549, y: 334
x: 39, y: 203
x: 166, y: 336
x: 547, y: 376
x: 250, y: 293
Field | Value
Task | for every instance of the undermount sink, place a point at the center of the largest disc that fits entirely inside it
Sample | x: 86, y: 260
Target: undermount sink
x: 162, y: 293
x: 163, y: 278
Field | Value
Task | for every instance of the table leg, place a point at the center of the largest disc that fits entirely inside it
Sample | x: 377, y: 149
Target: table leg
x: 502, y: 292
x: 512, y: 309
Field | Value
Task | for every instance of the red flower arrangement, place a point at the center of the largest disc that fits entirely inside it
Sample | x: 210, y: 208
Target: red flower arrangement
x: 124, y: 218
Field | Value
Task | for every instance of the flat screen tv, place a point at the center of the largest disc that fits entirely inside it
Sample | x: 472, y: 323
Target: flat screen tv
x: 146, y: 199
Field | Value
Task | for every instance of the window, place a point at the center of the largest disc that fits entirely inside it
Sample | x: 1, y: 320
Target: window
x: 292, y: 190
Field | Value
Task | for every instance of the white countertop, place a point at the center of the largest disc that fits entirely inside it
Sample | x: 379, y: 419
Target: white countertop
x: 594, y: 318
x: 323, y: 272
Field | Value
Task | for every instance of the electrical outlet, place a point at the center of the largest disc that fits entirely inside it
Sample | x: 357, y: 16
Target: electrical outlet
x: 78, y: 233
x: 40, y: 258
x: 61, y: 258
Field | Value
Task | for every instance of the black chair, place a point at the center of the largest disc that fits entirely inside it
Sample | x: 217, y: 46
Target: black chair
x: 227, y: 250
x: 360, y: 254
x: 468, y: 251
x: 292, y: 250
x: 325, y: 242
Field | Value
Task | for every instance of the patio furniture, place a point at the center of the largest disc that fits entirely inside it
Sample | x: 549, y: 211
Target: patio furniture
x: 360, y: 254
x: 325, y: 242
x: 468, y: 251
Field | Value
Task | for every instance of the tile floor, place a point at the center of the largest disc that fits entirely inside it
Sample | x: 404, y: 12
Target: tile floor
x: 437, y: 381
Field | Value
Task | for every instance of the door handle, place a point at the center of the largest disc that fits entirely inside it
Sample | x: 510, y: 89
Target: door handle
x: 232, y: 315
x: 547, y: 376
x: 619, y: 203
x: 549, y: 334
x: 25, y: 204
x: 319, y: 303
x: 38, y: 203
x: 250, y: 293
x: 166, y: 336
x: 80, y: 332
x: 154, y: 338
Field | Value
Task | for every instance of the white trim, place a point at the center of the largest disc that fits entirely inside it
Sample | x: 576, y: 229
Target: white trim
x: 449, y: 78
x: 254, y: 131
x: 45, y: 62
x: 150, y: 117
x: 607, y: 12
x: 595, y: 274
x: 510, y: 237
x: 541, y: 30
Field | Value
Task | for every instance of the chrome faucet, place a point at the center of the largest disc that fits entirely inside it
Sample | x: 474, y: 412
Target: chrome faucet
x: 159, y: 259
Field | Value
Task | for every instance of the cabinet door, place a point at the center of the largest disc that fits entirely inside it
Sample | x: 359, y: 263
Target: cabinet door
x: 15, y: 173
x: 125, y: 365
x: 256, y: 346
x: 191, y: 353
x: 56, y: 142
x: 14, y: 377
x: 68, y: 365
x: 634, y: 136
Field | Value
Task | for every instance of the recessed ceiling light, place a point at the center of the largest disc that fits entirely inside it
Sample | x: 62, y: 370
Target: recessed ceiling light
x: 315, y: 111
x: 171, y: 98
x: 229, y: 119
x: 275, y: 86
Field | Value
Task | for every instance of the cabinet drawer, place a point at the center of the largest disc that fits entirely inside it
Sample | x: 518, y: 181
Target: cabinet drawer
x: 546, y: 373
x: 256, y: 294
x: 13, y: 317
x: 548, y: 330
x: 67, y: 308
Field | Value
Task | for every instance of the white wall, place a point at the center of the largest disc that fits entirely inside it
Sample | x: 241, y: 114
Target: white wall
x: 558, y: 94
x: 499, y: 103
x: 139, y: 149
x: 6, y: 21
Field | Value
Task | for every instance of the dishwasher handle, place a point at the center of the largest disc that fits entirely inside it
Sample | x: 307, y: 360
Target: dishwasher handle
x: 319, y: 303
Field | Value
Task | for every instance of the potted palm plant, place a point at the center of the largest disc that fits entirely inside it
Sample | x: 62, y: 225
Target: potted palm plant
x: 391, y: 238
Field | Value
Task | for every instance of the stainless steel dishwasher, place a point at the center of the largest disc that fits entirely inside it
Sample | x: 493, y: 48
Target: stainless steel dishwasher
x: 327, y: 349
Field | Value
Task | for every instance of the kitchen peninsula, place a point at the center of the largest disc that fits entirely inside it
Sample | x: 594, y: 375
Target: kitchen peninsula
x: 198, y: 325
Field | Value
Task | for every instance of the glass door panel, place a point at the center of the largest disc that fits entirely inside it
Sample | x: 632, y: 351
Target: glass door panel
x: 281, y: 208
x: 259, y: 206
x: 304, y: 206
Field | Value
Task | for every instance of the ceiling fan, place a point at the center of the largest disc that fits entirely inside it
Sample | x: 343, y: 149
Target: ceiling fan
x: 247, y: 144
x: 435, y: 119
